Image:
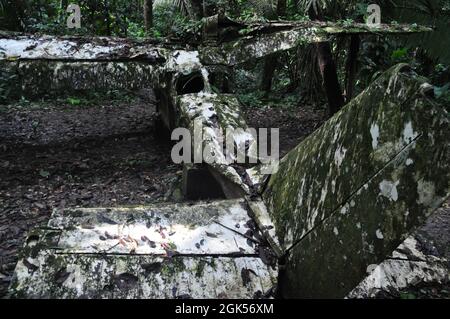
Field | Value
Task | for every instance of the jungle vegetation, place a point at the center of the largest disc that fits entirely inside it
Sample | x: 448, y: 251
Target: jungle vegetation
x: 356, y: 62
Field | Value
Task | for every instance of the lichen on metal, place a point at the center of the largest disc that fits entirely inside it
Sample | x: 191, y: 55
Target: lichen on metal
x: 75, y: 48
x: 157, y: 251
x: 70, y: 276
x: 70, y: 77
x: 261, y: 39
x: 155, y: 230
x: 343, y: 199
x: 407, y: 267
x: 346, y: 197
x: 258, y: 211
x: 219, y: 118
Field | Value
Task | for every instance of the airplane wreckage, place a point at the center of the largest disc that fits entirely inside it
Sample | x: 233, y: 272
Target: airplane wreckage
x: 345, y: 199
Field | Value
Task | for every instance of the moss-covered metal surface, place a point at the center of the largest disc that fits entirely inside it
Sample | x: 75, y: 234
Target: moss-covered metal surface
x: 279, y: 33
x: 65, y: 276
x: 41, y: 65
x: 408, y: 266
x: 343, y: 199
x: 348, y: 195
x: 45, y: 47
x: 219, y: 117
x: 258, y: 211
x: 156, y: 230
x: 158, y: 251
x: 261, y: 39
x: 47, y: 78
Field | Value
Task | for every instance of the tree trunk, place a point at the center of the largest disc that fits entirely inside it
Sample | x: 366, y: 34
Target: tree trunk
x: 281, y: 8
x: 107, y: 18
x: 330, y: 77
x: 270, y: 64
x: 62, y: 12
x: 148, y: 15
x: 328, y: 71
x: 351, y: 67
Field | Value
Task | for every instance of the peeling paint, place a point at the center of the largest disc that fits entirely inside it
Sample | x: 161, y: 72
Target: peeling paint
x: 375, y: 132
x: 339, y: 156
x: 408, y: 133
x: 379, y: 234
x: 197, y: 266
x: 372, y: 188
x: 412, y: 270
x: 389, y: 190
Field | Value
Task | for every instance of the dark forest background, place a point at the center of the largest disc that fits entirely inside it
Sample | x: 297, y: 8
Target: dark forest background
x: 429, y: 54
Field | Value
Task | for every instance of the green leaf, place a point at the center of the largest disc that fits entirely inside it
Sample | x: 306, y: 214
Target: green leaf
x: 399, y: 53
x: 73, y: 101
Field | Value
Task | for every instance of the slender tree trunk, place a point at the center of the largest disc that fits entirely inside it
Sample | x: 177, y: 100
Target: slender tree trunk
x: 281, y: 8
x: 330, y: 77
x: 270, y: 65
x: 351, y: 67
x: 328, y: 71
x: 148, y: 15
x: 107, y: 18
x: 270, y: 62
x: 63, y: 7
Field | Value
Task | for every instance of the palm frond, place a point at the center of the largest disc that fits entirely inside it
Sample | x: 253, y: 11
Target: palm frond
x: 181, y: 5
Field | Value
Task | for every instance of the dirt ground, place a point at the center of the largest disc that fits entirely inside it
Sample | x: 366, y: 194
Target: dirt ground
x: 294, y: 126
x: 109, y: 154
x: 61, y: 164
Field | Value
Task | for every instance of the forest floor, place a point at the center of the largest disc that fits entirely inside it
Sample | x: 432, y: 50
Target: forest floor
x: 57, y: 154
